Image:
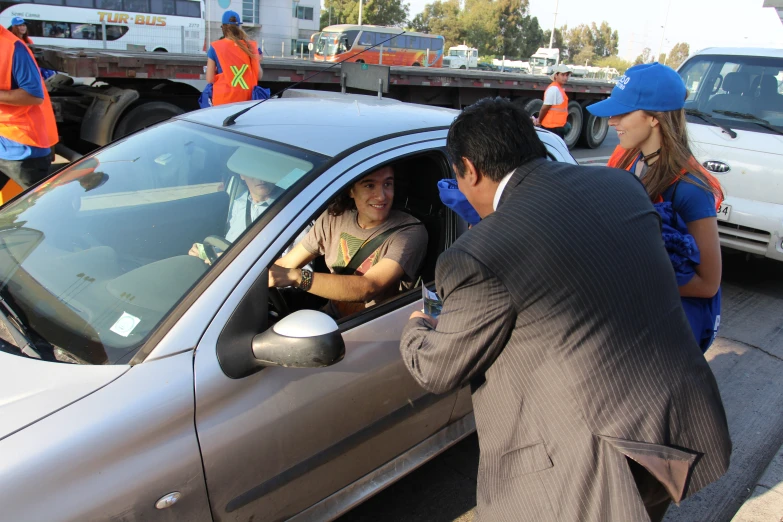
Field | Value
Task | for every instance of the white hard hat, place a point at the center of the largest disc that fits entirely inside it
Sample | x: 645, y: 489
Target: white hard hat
x: 562, y: 69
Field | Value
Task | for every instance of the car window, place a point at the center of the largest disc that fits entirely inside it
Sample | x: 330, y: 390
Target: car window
x: 96, y: 256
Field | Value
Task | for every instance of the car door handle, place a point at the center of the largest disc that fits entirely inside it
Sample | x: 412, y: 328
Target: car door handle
x: 716, y: 166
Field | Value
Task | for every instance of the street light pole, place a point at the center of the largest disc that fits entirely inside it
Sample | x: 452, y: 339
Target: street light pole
x: 663, y: 33
x: 360, y: 11
x: 554, y: 24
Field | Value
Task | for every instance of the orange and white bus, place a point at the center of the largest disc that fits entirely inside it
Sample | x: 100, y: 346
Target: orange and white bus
x: 344, y: 42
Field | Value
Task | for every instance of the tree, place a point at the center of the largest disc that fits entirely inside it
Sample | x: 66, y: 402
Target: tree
x: 481, y: 25
x: 558, y: 42
x: 605, y: 41
x: 577, y: 39
x: 645, y: 57
x: 532, y: 36
x: 585, y: 56
x: 375, y: 12
x: 441, y: 17
x: 614, y: 62
x: 678, y: 54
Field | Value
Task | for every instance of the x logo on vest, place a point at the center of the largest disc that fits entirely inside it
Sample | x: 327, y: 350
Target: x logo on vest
x: 238, y: 73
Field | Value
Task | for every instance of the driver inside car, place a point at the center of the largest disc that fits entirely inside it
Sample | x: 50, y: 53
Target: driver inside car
x: 372, y: 252
x: 250, y: 204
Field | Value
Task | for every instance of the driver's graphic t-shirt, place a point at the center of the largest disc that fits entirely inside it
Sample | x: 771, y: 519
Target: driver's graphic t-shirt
x: 338, y: 238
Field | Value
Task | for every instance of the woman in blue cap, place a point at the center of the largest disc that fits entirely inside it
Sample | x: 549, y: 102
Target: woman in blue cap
x: 19, y: 28
x: 646, y: 109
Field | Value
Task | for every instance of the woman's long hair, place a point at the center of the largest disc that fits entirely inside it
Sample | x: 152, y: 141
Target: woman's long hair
x: 674, y: 160
x: 238, y: 36
x: 15, y: 29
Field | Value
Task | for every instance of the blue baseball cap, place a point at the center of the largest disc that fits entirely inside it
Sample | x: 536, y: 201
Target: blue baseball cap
x: 227, y: 18
x: 648, y: 87
x: 17, y: 20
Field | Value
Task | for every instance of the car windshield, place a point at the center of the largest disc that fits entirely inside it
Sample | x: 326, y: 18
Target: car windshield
x: 330, y: 44
x: 454, y: 52
x: 95, y: 257
x: 739, y: 91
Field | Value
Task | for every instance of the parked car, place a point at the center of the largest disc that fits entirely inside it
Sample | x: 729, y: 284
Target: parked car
x: 139, y: 383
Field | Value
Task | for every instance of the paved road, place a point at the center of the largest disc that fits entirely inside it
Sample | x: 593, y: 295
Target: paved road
x: 604, y: 151
x: 747, y: 360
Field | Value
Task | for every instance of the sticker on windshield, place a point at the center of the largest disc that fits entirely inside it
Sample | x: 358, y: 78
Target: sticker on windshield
x: 125, y: 324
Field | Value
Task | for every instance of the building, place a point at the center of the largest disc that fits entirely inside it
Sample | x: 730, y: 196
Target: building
x: 281, y: 27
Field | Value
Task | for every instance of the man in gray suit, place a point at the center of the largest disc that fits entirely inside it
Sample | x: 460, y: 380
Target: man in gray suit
x: 560, y: 308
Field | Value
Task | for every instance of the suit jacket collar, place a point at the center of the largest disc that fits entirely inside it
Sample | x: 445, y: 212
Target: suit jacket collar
x: 519, y: 176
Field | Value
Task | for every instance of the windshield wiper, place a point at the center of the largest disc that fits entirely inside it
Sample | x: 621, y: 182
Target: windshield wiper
x: 17, y: 331
x: 706, y: 117
x: 755, y: 119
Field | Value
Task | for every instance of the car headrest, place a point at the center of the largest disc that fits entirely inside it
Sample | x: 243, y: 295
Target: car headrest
x: 736, y: 83
x: 267, y: 165
x: 768, y: 86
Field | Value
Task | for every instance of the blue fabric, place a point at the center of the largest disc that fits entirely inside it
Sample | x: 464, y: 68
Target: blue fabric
x: 205, y: 99
x: 259, y: 93
x: 213, y: 56
x: 649, y: 86
x: 456, y: 201
x: 47, y: 73
x: 693, y: 202
x: 24, y: 75
x: 703, y: 313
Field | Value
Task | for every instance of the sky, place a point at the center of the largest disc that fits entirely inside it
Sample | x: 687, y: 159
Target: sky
x: 701, y: 23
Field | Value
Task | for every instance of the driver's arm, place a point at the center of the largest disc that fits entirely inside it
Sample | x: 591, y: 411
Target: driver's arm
x: 298, y: 257
x: 351, y: 288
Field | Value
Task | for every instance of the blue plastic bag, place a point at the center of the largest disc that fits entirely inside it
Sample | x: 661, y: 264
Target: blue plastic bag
x: 205, y: 99
x: 456, y: 201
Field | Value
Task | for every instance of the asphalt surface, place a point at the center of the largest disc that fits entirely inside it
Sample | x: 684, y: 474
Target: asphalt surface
x: 747, y: 359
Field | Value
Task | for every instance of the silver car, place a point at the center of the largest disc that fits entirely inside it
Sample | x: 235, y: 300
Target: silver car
x: 138, y: 382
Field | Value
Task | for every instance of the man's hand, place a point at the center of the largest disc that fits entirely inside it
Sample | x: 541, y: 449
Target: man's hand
x: 280, y: 277
x: 195, y: 251
x: 428, y: 318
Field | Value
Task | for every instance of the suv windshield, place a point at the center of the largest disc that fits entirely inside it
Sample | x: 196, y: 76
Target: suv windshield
x: 739, y: 91
x: 95, y: 257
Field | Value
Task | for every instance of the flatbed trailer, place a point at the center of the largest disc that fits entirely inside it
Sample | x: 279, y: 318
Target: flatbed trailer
x: 125, y: 91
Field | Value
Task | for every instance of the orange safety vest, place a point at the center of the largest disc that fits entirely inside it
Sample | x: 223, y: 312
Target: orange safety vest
x: 619, y: 152
x: 557, y: 116
x: 240, y: 73
x: 31, y: 125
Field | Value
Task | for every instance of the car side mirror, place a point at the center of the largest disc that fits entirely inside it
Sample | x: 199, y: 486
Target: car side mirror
x: 304, y: 339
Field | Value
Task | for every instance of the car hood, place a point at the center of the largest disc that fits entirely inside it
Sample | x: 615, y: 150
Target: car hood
x: 31, y: 389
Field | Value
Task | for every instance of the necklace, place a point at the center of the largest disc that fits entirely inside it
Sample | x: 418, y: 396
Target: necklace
x: 650, y: 156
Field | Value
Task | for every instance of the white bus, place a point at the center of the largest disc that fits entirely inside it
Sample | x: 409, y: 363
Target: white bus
x: 175, y: 26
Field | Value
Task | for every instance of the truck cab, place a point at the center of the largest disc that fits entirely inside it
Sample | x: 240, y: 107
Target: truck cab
x: 544, y: 61
x: 461, y: 57
x: 735, y: 124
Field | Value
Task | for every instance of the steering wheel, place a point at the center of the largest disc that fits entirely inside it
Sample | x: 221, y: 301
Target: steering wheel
x: 213, y: 243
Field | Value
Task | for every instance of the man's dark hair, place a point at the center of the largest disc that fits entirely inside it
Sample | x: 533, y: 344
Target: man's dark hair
x: 343, y: 202
x: 496, y: 135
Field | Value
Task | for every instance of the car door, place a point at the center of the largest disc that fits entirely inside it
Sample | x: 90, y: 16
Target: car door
x: 280, y: 440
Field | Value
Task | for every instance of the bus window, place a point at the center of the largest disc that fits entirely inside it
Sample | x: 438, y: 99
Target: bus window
x: 79, y: 3
x: 414, y: 42
x: 166, y: 7
x: 115, y: 32
x: 49, y: 2
x: 85, y: 32
x: 188, y: 8
x: 350, y: 38
x: 56, y: 30
x: 136, y: 6
x: 109, y: 4
x: 399, y: 42
x: 367, y: 38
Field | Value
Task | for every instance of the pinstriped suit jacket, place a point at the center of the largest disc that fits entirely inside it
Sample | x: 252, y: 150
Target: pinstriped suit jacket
x: 562, y: 311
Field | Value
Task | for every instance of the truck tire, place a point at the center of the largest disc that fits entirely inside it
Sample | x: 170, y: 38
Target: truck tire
x: 145, y: 115
x: 594, y: 129
x: 575, y: 119
x: 533, y: 107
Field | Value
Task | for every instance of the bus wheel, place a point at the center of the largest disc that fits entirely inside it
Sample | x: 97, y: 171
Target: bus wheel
x: 575, y: 119
x: 359, y: 61
x: 417, y: 64
x: 594, y: 129
x: 145, y: 115
x: 462, y: 67
x: 160, y: 50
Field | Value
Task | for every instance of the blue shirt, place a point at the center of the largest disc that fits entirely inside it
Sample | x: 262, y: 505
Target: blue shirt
x: 24, y: 75
x: 213, y: 56
x: 691, y: 202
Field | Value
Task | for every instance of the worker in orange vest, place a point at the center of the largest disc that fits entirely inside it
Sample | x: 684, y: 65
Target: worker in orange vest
x: 553, y: 115
x: 27, y: 127
x: 233, y: 63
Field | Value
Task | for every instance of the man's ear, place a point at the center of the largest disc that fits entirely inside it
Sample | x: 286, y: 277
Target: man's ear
x: 470, y: 173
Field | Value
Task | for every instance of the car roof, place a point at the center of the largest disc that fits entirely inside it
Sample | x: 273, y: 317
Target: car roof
x: 743, y: 51
x: 325, y: 122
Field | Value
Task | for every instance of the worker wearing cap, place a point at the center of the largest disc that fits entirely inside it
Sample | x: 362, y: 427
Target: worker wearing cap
x: 27, y: 127
x: 233, y: 63
x: 553, y: 115
x: 19, y: 28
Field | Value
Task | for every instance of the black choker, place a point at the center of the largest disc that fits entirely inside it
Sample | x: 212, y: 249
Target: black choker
x: 650, y: 156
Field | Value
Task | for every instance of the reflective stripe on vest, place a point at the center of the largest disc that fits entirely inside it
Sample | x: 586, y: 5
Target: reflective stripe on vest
x: 31, y: 125
x: 557, y: 116
x: 239, y: 76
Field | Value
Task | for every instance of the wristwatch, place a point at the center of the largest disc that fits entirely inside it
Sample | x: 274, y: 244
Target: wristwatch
x: 307, y: 279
